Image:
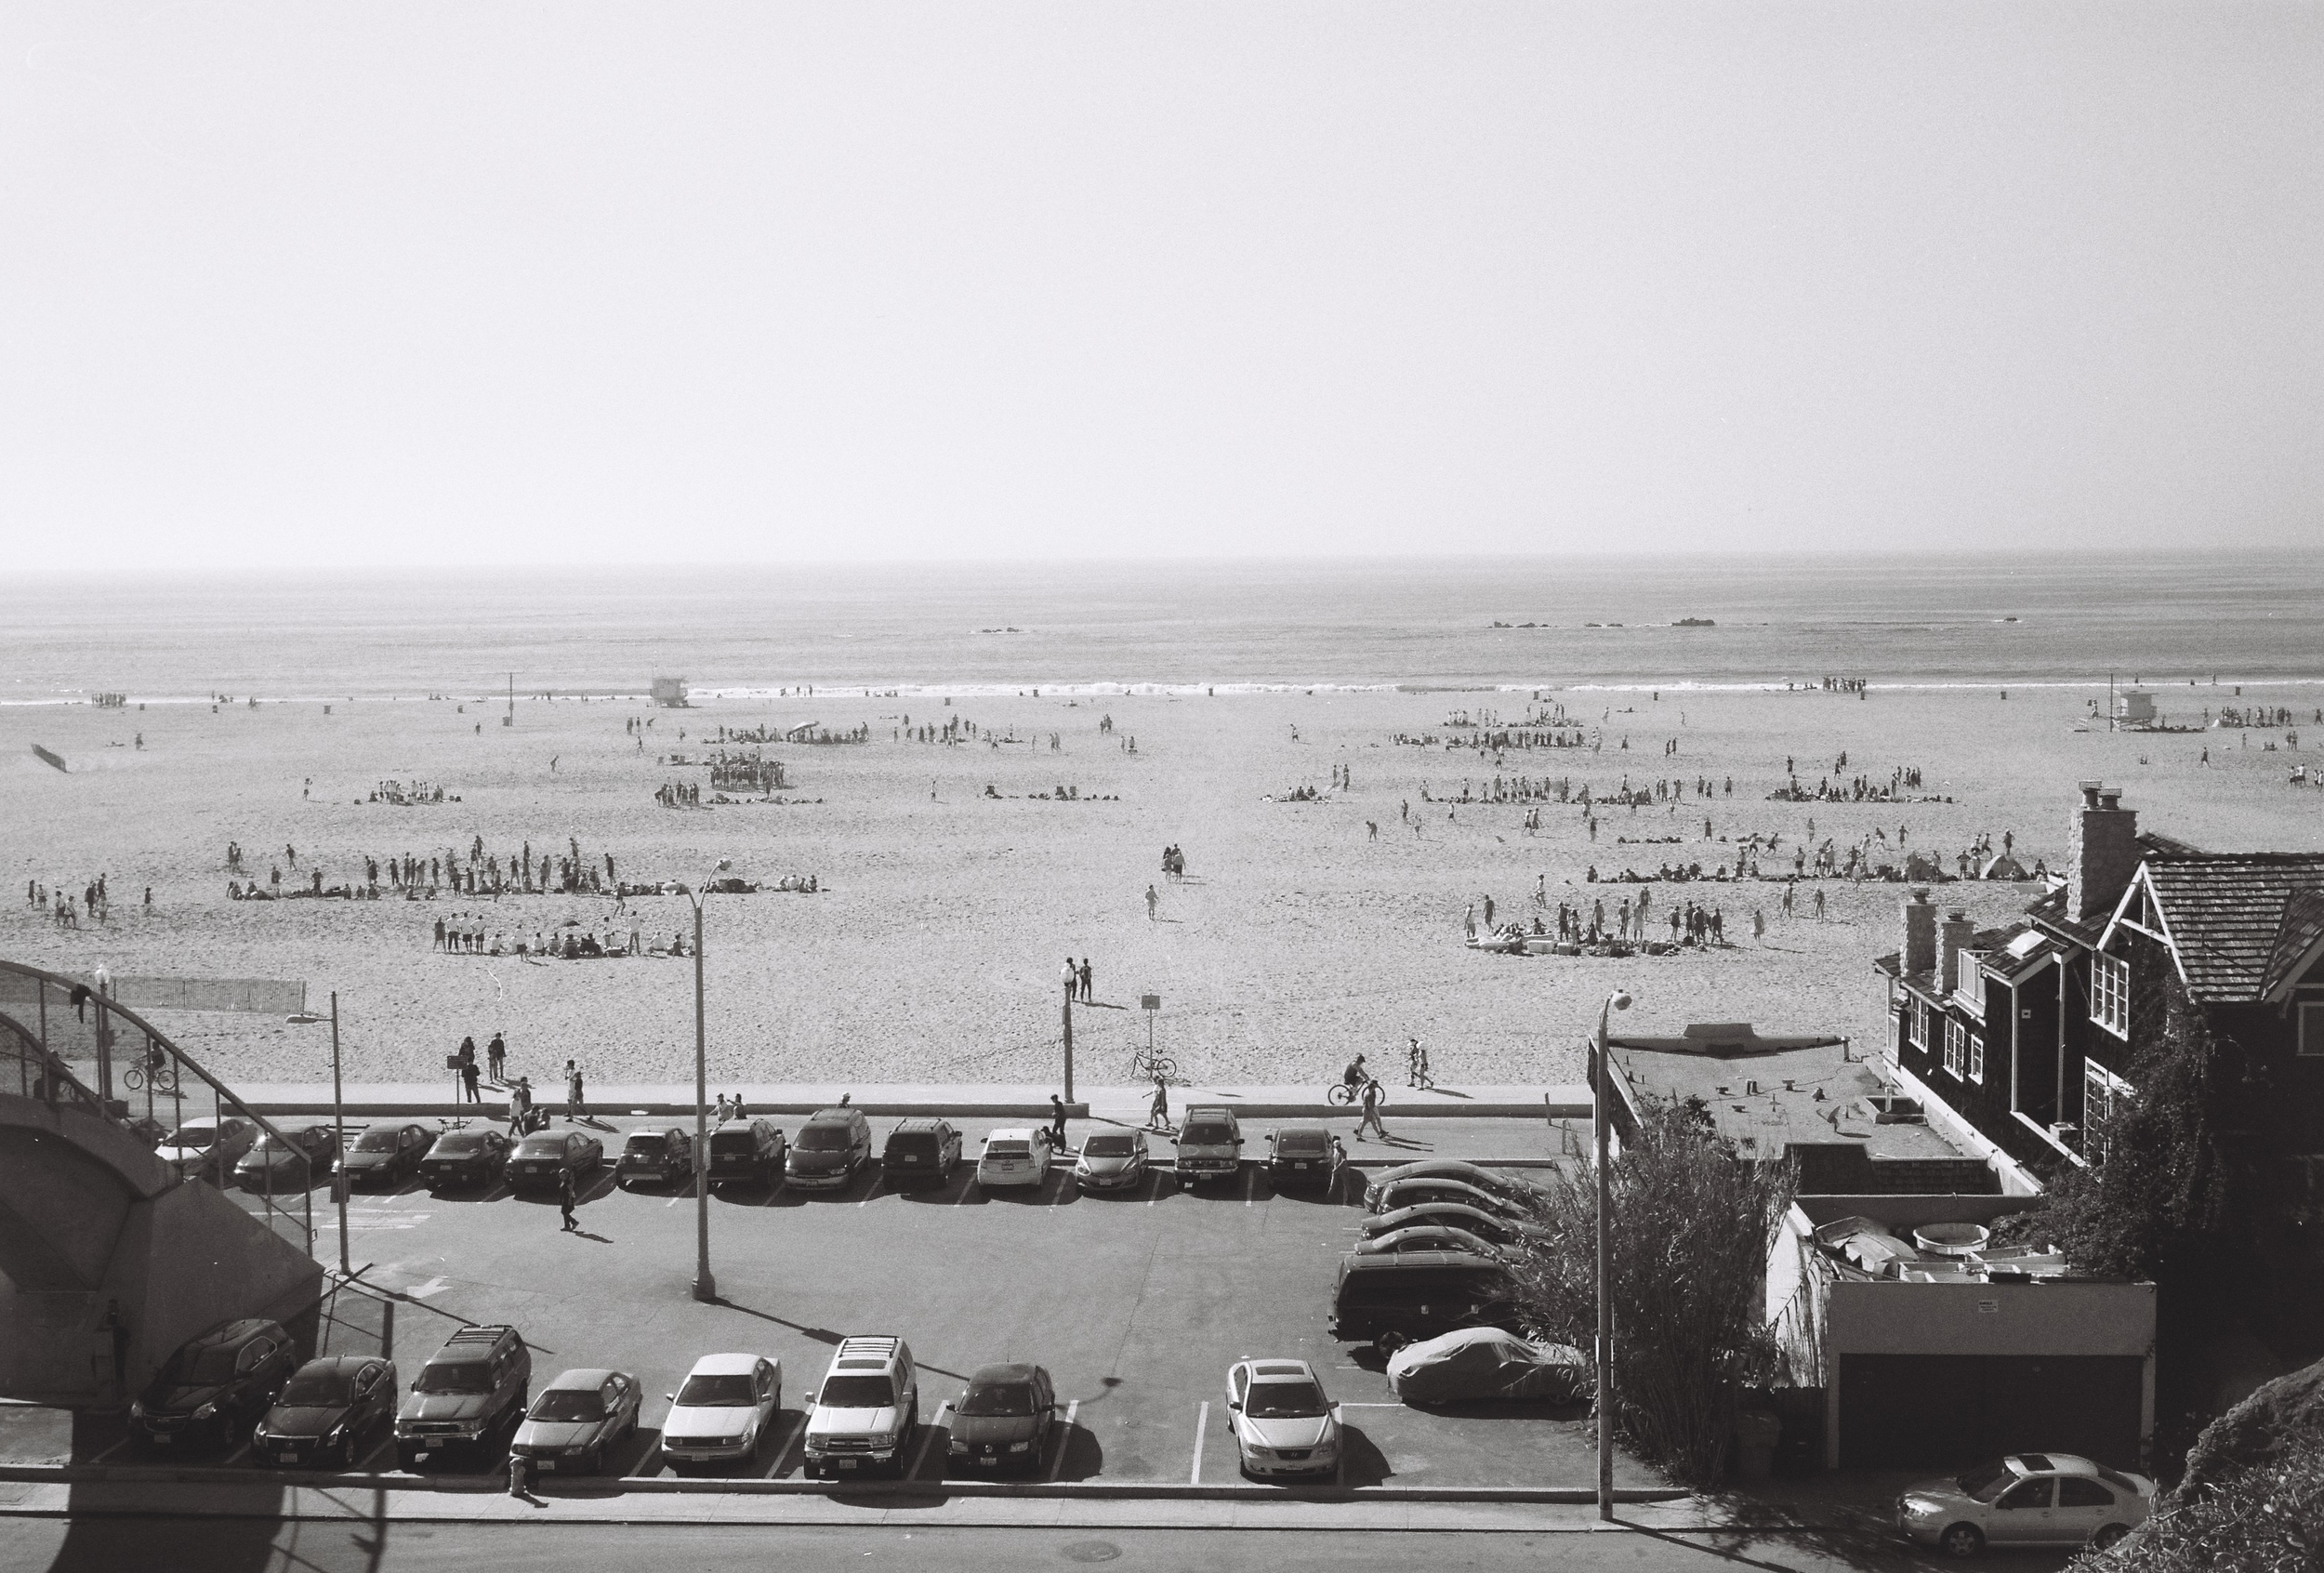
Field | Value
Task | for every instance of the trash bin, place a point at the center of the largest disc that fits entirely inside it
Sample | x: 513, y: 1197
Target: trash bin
x: 1756, y: 1433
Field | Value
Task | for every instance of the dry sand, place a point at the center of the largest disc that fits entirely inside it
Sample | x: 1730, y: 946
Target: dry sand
x: 931, y: 952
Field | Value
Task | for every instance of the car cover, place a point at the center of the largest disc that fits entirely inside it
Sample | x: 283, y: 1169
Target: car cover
x: 1485, y: 1363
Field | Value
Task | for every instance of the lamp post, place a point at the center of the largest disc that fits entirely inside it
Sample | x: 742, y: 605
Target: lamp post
x: 1617, y: 1000
x: 705, y: 1286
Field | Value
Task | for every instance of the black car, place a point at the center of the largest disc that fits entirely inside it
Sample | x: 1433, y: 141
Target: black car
x: 542, y: 1156
x: 1394, y: 1298
x: 832, y: 1146
x: 662, y: 1157
x: 465, y: 1158
x: 386, y: 1155
x: 325, y: 1411
x: 293, y: 1161
x: 750, y: 1154
x: 1002, y: 1422
x: 214, y: 1385
x: 921, y: 1151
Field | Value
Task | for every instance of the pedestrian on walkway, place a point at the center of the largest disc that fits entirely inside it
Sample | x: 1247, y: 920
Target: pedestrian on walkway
x: 496, y: 1058
x: 1372, y: 1112
x: 1056, y: 1123
x: 574, y: 1107
x: 467, y: 1082
x: 565, y: 1199
x: 1158, y: 1112
x: 519, y: 1108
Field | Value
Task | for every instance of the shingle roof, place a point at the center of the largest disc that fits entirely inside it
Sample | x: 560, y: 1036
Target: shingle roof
x: 2237, y: 918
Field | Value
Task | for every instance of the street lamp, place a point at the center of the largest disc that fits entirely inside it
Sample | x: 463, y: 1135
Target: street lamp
x: 705, y: 1287
x: 1617, y: 1000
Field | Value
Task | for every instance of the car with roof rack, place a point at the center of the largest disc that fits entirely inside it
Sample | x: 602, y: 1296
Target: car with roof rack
x: 747, y: 1153
x: 919, y: 1151
x: 864, y: 1415
x: 1210, y: 1146
x: 466, y: 1395
x: 830, y: 1150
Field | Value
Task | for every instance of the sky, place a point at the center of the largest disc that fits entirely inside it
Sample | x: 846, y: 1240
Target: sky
x: 346, y: 285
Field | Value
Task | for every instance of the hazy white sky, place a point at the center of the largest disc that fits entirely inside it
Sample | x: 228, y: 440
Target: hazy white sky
x: 323, y: 283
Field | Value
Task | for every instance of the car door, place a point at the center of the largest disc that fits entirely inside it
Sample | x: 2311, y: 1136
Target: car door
x: 763, y: 1384
x: 2083, y: 1506
x: 371, y: 1387
x: 249, y: 1390
x: 1237, y: 1392
x: 2024, y: 1515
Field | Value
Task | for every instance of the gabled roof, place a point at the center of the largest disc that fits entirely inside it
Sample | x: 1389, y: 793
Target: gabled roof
x: 2239, y: 921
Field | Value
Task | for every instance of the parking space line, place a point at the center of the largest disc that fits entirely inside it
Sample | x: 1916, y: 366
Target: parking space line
x: 1251, y: 1185
x: 870, y: 1193
x: 928, y: 1439
x: 966, y: 1186
x: 1202, y: 1423
x: 774, y: 1472
x: 1064, y: 1438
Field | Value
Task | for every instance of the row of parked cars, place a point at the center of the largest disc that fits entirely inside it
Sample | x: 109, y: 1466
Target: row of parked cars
x: 831, y: 1150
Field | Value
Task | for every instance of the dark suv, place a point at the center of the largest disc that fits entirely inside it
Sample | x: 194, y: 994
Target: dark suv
x: 920, y: 1150
x: 660, y: 1158
x: 747, y: 1155
x: 214, y: 1385
x: 832, y: 1146
x: 1393, y: 1299
x: 471, y: 1389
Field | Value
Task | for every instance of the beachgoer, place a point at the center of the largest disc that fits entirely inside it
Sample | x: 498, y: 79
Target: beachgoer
x: 1086, y: 976
x: 496, y: 1057
x: 574, y: 1107
x: 1372, y: 1112
x: 565, y: 1199
x: 1153, y: 901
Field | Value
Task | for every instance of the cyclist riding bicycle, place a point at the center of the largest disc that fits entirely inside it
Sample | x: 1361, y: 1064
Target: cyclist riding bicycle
x: 1355, y: 1075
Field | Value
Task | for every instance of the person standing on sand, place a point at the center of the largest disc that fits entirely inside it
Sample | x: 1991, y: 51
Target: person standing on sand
x: 1072, y: 977
x: 1153, y: 901
x: 1087, y: 978
x: 1758, y: 925
x: 1819, y: 904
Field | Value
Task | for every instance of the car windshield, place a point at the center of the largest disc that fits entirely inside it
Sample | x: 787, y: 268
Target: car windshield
x: 999, y: 1398
x: 199, y: 1367
x: 824, y: 1139
x: 565, y: 1404
x: 460, y: 1146
x: 1302, y: 1143
x: 646, y: 1143
x: 1987, y: 1481
x: 727, y: 1391
x: 1109, y: 1143
x: 194, y: 1136
x: 1006, y: 1149
x: 314, y: 1390
x: 857, y: 1393
x: 454, y: 1376
x: 381, y: 1141
x: 1206, y: 1136
x: 1285, y: 1400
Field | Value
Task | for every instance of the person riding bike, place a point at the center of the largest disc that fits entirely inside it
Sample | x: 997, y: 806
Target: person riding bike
x: 1355, y: 1076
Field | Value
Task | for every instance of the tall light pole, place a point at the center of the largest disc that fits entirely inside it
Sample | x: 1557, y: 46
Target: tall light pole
x: 1617, y: 1000
x: 705, y: 1286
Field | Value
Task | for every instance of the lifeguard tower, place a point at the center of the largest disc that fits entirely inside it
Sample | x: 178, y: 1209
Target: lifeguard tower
x: 2135, y: 706
x: 671, y: 694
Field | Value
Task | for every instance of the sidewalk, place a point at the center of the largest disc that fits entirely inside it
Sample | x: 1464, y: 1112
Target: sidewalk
x: 957, y: 1101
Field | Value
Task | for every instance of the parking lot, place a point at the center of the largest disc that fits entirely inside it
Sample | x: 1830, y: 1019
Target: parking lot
x: 1137, y: 1304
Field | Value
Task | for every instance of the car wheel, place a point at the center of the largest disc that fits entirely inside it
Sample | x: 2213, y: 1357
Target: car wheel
x: 1963, y: 1540
x: 2108, y: 1536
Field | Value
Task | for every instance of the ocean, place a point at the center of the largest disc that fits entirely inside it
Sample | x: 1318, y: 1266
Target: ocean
x: 1100, y: 627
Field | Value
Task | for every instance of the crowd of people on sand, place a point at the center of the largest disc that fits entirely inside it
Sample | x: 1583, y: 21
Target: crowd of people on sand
x: 467, y: 933
x: 1692, y: 925
x: 679, y: 794
x: 94, y: 903
x: 424, y: 876
x: 404, y: 795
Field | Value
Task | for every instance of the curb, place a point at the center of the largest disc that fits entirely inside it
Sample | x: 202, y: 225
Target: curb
x: 890, y: 1491
x: 917, y: 1111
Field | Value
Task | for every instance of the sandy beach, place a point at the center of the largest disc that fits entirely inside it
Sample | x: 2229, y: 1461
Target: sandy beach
x: 931, y: 950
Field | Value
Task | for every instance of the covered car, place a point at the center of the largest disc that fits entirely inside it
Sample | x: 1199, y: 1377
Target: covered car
x: 1494, y: 1182
x: 1482, y: 1363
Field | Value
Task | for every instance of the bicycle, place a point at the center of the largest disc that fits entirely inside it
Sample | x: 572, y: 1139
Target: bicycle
x: 1343, y: 1092
x: 1159, y: 1067
x: 160, y: 1075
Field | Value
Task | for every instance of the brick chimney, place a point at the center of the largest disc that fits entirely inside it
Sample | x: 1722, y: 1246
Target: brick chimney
x: 1918, y: 954
x: 2102, y: 850
x: 1954, y: 938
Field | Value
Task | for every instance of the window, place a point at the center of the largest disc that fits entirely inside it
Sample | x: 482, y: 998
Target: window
x: 1955, y: 1054
x: 2110, y: 993
x: 2103, y: 1093
x: 1976, y: 1056
x: 1917, y: 1023
x: 2311, y: 1027
x: 2075, y: 1491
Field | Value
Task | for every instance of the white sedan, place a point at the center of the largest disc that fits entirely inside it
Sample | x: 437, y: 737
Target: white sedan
x: 2026, y: 1499
x: 1283, y: 1423
x: 726, y: 1404
x: 1019, y: 1155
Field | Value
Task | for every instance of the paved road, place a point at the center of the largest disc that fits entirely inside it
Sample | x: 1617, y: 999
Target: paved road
x: 210, y: 1546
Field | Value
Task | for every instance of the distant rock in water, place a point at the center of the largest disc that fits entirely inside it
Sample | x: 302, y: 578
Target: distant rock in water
x: 1695, y: 623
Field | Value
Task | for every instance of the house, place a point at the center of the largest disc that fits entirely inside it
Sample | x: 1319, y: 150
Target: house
x: 1906, y: 1339
x: 2024, y: 1038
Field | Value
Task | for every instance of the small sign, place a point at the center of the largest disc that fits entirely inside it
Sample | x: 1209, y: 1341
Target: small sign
x: 1149, y: 1003
x: 1989, y: 1305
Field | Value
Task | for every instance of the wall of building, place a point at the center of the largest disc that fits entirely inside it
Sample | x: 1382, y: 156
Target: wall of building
x: 1836, y: 1167
x: 2071, y: 1317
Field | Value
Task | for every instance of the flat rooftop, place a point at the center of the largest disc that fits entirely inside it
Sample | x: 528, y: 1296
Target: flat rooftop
x: 1768, y: 1092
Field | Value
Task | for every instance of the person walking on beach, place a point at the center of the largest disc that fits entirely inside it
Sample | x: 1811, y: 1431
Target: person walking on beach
x: 1087, y: 975
x: 565, y: 1199
x: 574, y: 1107
x: 1153, y: 901
x: 1819, y: 904
x: 1371, y: 1111
x: 496, y: 1059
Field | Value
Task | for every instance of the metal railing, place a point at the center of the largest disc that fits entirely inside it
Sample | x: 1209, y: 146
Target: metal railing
x: 75, y: 1046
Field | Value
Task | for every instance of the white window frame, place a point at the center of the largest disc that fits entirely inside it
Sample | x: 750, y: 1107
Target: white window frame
x: 1954, y: 1033
x: 2101, y: 1091
x: 1976, y: 1056
x: 2110, y: 993
x: 2310, y: 1022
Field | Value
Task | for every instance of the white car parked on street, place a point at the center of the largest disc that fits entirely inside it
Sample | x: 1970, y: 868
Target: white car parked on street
x: 725, y: 1406
x: 2026, y: 1499
x: 1283, y: 1423
x: 1019, y: 1155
